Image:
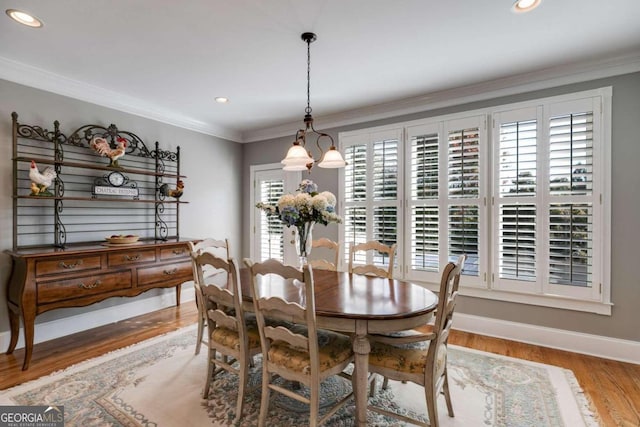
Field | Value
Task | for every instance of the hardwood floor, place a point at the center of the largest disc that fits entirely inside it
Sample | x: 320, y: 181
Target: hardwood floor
x: 613, y: 387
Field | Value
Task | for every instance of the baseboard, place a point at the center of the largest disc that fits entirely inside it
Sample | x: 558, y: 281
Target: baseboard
x: 593, y: 345
x: 69, y: 325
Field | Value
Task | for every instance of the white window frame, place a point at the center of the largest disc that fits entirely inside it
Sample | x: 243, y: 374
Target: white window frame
x: 291, y: 181
x: 598, y: 299
x: 442, y: 128
x: 368, y: 139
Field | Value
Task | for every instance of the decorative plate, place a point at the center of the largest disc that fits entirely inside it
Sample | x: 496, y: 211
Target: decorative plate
x: 122, y: 239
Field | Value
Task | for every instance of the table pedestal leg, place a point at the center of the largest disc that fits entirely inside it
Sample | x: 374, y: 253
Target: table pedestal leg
x: 361, y: 348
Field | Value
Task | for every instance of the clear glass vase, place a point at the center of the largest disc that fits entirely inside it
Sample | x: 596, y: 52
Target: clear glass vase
x: 304, y: 237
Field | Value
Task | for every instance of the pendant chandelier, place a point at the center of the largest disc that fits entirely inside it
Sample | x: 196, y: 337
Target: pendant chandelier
x: 299, y: 157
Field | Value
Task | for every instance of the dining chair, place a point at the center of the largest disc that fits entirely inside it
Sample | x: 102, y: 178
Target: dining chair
x: 322, y: 263
x: 421, y: 358
x: 215, y: 246
x: 229, y: 334
x: 306, y: 355
x: 372, y: 269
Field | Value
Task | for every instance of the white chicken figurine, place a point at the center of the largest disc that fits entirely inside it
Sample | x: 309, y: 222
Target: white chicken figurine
x: 40, y: 181
x: 102, y: 147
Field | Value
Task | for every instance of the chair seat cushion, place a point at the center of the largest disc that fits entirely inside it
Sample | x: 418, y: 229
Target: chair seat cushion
x: 230, y: 338
x: 405, y: 358
x: 334, y: 349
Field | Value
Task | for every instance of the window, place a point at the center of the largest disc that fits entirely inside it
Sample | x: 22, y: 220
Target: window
x: 523, y: 198
x: 271, y: 228
x: 371, y: 192
x: 445, y: 196
x: 545, y: 199
x: 270, y: 238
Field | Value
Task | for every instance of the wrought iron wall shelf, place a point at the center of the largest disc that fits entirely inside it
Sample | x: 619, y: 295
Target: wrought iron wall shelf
x: 76, y: 212
x: 98, y: 199
x: 97, y: 167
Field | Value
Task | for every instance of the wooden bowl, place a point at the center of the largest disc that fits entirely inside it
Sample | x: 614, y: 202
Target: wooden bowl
x: 122, y: 239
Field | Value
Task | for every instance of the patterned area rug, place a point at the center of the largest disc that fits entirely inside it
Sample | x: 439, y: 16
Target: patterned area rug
x: 159, y: 382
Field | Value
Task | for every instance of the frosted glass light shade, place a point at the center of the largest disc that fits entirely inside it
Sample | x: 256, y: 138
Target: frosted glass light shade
x: 295, y: 167
x: 297, y: 155
x: 332, y: 159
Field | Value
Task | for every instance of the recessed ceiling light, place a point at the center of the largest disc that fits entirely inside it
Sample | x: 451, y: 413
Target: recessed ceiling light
x: 222, y: 100
x: 24, y: 18
x: 521, y: 6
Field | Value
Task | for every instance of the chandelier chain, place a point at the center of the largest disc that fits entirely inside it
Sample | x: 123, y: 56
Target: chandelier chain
x: 308, y: 109
x: 298, y: 156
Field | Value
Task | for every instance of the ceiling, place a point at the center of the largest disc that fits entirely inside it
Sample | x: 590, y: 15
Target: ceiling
x: 168, y: 60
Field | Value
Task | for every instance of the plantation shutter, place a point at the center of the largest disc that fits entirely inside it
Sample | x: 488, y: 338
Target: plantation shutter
x: 445, y: 197
x: 527, y: 207
x: 423, y: 216
x: 517, y: 197
x: 385, y: 189
x: 371, y: 192
x: 546, y: 207
x: 355, y: 188
x: 465, y: 139
x: 271, y: 228
x: 517, y: 201
x: 573, y: 208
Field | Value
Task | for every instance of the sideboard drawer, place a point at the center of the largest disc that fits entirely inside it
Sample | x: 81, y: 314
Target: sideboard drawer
x: 174, y: 253
x: 82, y: 286
x: 175, y: 272
x: 131, y: 257
x: 67, y: 265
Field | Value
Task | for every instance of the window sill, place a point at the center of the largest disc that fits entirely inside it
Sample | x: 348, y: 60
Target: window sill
x: 553, y: 301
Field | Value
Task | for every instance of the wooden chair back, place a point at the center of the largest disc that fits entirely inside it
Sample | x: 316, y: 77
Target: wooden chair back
x: 214, y: 246
x: 290, y: 347
x: 211, y: 245
x: 387, y: 351
x: 229, y: 334
x: 323, y: 263
x: 223, y: 305
x: 290, y: 313
x: 447, y: 295
x: 372, y: 269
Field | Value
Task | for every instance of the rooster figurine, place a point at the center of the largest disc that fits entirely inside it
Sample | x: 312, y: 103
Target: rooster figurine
x: 175, y: 193
x: 102, y: 147
x: 41, y: 181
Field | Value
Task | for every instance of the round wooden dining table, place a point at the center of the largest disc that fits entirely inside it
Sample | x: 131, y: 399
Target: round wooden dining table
x: 357, y: 305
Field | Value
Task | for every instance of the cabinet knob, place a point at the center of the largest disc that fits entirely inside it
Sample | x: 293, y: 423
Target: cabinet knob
x: 135, y: 257
x: 170, y: 272
x: 178, y: 251
x: 62, y: 264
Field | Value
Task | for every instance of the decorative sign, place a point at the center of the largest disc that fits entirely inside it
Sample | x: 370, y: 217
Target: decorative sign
x: 115, y: 184
x: 100, y: 190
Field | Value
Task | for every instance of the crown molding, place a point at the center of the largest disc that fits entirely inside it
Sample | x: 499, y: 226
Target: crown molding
x: 521, y: 83
x: 542, y: 79
x: 38, y: 78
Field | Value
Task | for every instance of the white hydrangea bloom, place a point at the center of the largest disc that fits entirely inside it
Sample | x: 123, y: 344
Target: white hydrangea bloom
x: 301, y: 208
x: 331, y: 217
x: 286, y: 200
x: 319, y: 202
x: 302, y: 200
x: 331, y: 199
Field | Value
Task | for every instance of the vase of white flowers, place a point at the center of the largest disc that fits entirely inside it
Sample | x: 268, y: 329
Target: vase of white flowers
x: 303, y: 210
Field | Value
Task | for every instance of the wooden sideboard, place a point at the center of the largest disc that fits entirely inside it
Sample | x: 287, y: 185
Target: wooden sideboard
x: 83, y: 274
